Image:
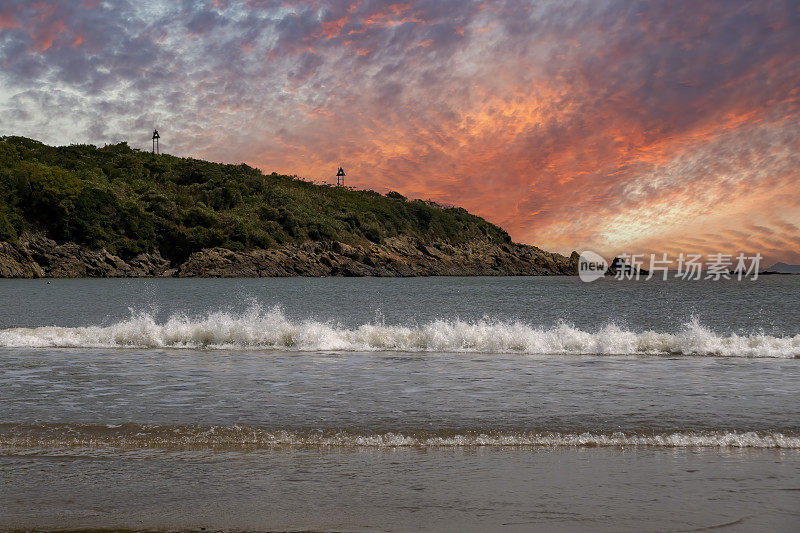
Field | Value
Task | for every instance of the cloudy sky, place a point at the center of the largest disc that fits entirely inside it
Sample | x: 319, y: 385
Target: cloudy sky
x: 616, y: 126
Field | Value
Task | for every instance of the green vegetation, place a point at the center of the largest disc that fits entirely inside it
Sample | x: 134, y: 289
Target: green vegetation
x: 129, y: 201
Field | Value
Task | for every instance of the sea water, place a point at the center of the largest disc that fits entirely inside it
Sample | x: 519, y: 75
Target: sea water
x: 400, y: 404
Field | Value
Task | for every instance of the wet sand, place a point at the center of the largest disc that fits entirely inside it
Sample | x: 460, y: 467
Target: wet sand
x: 401, y: 489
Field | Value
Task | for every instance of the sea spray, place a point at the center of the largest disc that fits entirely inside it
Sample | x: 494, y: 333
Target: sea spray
x: 272, y: 330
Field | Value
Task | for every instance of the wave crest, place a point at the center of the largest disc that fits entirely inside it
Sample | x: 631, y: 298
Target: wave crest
x: 258, y: 329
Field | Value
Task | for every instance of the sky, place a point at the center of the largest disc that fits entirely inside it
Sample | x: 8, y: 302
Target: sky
x: 615, y: 126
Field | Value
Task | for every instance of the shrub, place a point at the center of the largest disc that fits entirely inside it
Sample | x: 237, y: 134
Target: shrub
x: 131, y: 201
x: 7, y: 230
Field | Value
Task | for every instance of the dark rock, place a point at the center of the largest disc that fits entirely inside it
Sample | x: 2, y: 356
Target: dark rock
x: 37, y: 256
x: 16, y: 263
x: 620, y: 266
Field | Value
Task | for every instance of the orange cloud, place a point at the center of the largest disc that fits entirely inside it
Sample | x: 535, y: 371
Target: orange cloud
x: 332, y: 28
x: 8, y: 21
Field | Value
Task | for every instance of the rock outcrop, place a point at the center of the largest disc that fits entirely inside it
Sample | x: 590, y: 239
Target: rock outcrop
x: 621, y: 267
x: 18, y: 263
x: 37, y: 256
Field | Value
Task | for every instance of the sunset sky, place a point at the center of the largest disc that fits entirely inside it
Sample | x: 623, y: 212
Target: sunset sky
x: 614, y: 126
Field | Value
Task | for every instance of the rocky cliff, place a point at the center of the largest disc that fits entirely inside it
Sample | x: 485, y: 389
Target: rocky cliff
x: 35, y: 255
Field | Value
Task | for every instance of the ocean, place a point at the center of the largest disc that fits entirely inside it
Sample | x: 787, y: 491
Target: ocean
x: 361, y: 404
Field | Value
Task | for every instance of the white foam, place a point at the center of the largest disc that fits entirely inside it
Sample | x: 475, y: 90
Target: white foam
x: 259, y: 329
x: 149, y: 436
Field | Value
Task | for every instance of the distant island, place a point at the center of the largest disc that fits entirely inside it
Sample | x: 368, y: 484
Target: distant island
x: 83, y: 211
x: 782, y: 268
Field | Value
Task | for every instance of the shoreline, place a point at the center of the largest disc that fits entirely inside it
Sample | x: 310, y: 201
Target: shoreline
x: 36, y: 256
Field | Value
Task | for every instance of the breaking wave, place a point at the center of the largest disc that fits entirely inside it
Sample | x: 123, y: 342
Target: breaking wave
x: 42, y: 436
x: 260, y: 329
